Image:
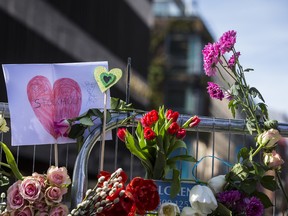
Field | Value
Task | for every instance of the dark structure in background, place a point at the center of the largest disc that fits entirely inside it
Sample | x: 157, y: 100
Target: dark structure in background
x: 39, y: 31
x: 52, y: 31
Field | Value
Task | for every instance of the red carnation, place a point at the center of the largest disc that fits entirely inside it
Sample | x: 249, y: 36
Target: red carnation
x: 173, y: 128
x: 145, y: 194
x: 170, y: 114
x: 149, y: 134
x: 181, y: 133
x: 149, y: 118
x: 121, y: 133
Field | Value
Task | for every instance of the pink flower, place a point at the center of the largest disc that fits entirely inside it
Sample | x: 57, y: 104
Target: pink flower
x: 269, y: 139
x: 58, y: 176
x: 14, y: 198
x: 232, y: 61
x: 227, y: 41
x: 121, y: 133
x: 41, y: 206
x: 149, y: 134
x: 54, y: 194
x: 215, y: 91
x: 30, y: 189
x: 170, y: 114
x: 149, y: 118
x: 173, y: 128
x: 26, y: 211
x: 41, y: 178
x: 42, y: 213
x: 59, y: 210
x: 181, y: 133
x: 62, y: 127
x: 273, y: 160
x: 211, y: 53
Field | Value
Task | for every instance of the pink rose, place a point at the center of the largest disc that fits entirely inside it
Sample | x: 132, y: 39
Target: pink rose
x: 59, y: 210
x: 14, y: 198
x: 26, y: 211
x: 41, y: 178
x: 58, y: 176
x: 269, y: 139
x: 273, y: 160
x: 54, y: 194
x: 42, y: 214
x: 41, y: 205
x: 30, y: 189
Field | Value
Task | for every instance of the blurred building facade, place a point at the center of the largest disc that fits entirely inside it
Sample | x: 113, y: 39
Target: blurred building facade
x: 52, y: 31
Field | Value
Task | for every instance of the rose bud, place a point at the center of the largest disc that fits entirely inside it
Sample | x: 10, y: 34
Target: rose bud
x: 181, y: 133
x: 273, y: 160
x: 268, y: 139
x: 173, y: 128
x: 170, y: 114
x: 149, y: 134
x: 217, y: 183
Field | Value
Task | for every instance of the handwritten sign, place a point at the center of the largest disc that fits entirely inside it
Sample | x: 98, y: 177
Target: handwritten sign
x: 40, y: 95
x: 182, y: 198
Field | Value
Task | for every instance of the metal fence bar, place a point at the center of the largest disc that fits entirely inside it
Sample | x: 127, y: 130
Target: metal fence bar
x: 80, y: 181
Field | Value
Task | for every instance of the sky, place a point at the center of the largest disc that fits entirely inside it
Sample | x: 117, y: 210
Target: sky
x: 262, y: 39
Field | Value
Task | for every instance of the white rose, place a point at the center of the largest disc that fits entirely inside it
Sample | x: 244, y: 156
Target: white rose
x: 3, y: 125
x: 168, y: 209
x: 217, y: 183
x: 202, y: 199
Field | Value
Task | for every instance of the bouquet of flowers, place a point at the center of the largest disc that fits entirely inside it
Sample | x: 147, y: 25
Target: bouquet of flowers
x: 39, y: 194
x: 158, y: 139
x: 111, y: 197
x: 240, y: 191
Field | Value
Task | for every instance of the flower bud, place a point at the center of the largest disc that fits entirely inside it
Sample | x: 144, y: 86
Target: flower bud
x: 3, y: 125
x: 273, y: 160
x: 268, y: 139
x: 188, y: 211
x: 168, y: 209
x: 217, y: 183
x: 121, y: 134
x: 202, y: 199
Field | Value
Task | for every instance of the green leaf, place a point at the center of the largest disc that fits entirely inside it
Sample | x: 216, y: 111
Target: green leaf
x: 248, y: 186
x: 181, y: 157
x: 76, y: 131
x: 177, y: 144
x: 118, y: 104
x: 269, y: 183
x: 265, y: 200
x: 160, y: 163
x: 86, y: 121
x: 254, y: 92
x: 263, y: 108
x: 243, y: 153
x: 175, y: 185
x: 222, y: 211
x: 11, y: 161
x: 248, y: 70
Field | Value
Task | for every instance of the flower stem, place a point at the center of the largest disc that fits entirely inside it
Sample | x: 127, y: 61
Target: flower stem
x: 255, y: 152
x: 281, y: 185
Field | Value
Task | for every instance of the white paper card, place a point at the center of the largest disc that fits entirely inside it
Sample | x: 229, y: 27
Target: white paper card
x: 41, y: 94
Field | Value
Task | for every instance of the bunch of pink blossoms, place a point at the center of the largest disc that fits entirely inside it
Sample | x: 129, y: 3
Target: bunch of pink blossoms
x: 39, y: 194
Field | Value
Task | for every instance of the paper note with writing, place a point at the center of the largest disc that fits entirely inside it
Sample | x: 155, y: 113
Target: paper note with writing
x: 42, y: 95
x: 182, y: 198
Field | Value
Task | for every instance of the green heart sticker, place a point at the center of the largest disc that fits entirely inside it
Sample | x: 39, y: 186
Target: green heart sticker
x: 105, y: 79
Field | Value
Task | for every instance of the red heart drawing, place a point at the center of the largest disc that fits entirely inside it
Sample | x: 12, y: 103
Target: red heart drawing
x: 52, y: 105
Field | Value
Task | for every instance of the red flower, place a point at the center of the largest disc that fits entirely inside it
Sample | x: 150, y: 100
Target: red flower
x: 149, y: 134
x: 149, y: 118
x: 121, y: 133
x: 173, y: 128
x: 181, y: 133
x: 145, y: 194
x: 195, y: 121
x: 172, y: 115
